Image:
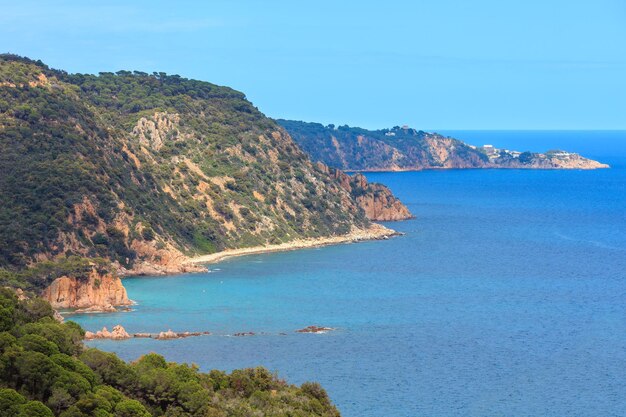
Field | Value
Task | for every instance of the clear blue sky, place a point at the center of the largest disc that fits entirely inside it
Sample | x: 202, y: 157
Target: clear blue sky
x: 534, y: 64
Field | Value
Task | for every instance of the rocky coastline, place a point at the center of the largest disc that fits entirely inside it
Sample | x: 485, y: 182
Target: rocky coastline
x: 119, y: 333
x: 406, y: 149
x: 103, y: 293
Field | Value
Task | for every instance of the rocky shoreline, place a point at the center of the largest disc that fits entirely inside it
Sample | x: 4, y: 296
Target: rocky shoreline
x: 119, y: 333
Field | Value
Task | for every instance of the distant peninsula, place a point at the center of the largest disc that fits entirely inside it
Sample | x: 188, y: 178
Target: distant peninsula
x: 406, y: 149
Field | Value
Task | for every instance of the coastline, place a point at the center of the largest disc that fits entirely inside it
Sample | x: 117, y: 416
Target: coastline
x: 383, y: 170
x: 374, y: 232
x: 197, y: 264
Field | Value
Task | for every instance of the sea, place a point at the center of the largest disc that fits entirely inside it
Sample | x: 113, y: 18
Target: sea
x: 506, y: 296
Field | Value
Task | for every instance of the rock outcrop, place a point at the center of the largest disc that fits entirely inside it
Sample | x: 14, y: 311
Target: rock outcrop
x: 315, y: 329
x: 98, y: 292
x: 167, y: 335
x: 153, y: 131
x: 158, y: 261
x: 375, y: 199
x: 118, y: 333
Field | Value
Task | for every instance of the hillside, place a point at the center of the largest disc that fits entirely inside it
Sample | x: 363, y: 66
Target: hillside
x: 403, y: 148
x: 145, y: 170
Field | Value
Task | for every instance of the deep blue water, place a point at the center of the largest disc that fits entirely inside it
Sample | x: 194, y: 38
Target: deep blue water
x: 506, y: 297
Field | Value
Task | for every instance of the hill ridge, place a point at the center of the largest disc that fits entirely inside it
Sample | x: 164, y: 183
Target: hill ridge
x: 406, y: 149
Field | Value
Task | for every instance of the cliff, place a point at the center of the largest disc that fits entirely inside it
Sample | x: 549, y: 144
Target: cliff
x: 376, y: 200
x: 404, y: 148
x: 147, y: 170
x: 95, y: 293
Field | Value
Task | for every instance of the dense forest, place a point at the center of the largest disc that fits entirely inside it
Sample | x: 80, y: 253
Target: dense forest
x: 46, y: 371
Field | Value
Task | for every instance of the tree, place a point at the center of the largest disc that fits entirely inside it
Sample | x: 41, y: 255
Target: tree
x: 10, y: 401
x: 131, y: 408
x: 38, y: 343
x: 34, y: 409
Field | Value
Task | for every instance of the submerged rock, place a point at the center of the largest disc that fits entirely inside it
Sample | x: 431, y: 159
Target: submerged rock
x: 240, y: 334
x: 315, y: 329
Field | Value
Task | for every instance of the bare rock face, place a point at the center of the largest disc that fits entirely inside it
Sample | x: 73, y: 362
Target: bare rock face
x: 153, y: 132
x: 155, y: 261
x: 381, y: 205
x: 376, y: 200
x: 96, y: 293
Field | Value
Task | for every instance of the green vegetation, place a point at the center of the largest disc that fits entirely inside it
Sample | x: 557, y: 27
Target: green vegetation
x: 40, y: 275
x: 106, y: 165
x: 97, y: 168
x: 45, y: 371
x: 355, y: 149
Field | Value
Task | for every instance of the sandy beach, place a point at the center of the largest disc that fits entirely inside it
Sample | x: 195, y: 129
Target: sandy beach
x: 376, y: 231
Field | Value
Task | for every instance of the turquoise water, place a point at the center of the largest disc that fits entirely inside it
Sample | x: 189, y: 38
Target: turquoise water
x: 506, y: 297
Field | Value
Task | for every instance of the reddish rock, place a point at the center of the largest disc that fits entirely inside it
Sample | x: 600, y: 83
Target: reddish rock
x: 315, y: 329
x: 375, y: 199
x: 95, y: 293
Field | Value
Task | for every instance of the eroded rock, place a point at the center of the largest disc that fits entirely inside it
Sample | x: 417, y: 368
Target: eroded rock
x: 118, y: 333
x: 98, y: 292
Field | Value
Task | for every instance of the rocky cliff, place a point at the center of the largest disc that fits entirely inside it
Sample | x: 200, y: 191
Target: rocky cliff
x: 404, y: 148
x: 376, y: 200
x: 96, y: 293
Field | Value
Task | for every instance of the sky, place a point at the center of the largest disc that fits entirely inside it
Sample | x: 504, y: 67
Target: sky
x: 482, y: 64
